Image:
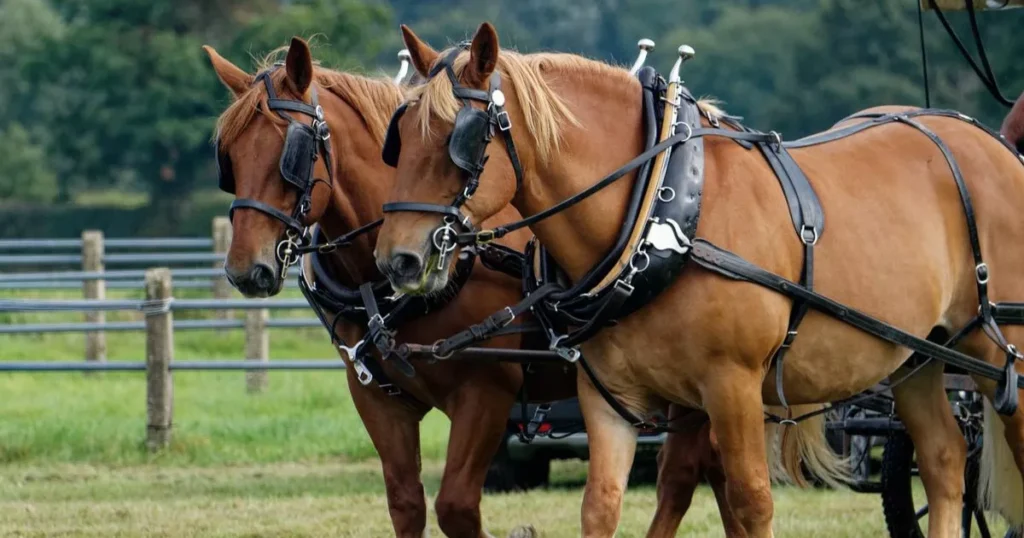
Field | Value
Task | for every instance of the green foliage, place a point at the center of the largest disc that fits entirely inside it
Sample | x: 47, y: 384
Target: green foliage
x: 117, y: 95
x: 25, y: 163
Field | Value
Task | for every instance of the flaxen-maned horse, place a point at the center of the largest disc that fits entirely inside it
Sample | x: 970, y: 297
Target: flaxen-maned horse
x: 896, y: 248
x: 475, y: 396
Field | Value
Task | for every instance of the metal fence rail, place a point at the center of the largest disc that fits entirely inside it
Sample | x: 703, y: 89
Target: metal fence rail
x: 111, y: 285
x: 112, y: 305
x: 82, y: 276
x: 116, y: 243
x: 180, y: 325
x: 201, y: 365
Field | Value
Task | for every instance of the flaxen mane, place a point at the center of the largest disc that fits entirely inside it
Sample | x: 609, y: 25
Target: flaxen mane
x: 372, y: 98
x: 544, y: 110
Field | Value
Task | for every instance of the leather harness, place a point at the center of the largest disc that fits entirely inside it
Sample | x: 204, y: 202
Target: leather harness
x: 557, y: 304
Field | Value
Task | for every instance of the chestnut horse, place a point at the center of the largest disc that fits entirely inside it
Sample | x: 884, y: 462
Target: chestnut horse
x: 475, y: 396
x: 896, y: 248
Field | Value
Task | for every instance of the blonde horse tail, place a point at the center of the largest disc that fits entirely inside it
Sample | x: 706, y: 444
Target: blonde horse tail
x: 1000, y: 486
x: 794, y: 449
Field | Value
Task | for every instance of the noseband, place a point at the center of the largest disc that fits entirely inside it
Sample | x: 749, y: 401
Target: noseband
x: 467, y: 147
x: 303, y: 145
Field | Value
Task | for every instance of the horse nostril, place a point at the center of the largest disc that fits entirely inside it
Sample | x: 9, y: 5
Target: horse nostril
x: 262, y: 276
x: 406, y: 264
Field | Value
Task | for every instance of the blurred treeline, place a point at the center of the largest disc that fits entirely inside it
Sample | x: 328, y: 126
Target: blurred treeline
x: 107, y: 106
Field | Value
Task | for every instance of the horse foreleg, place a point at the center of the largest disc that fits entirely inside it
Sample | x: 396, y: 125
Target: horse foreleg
x: 479, y: 413
x: 394, y: 428
x: 732, y: 398
x: 686, y: 456
x: 940, y: 447
x: 612, y: 448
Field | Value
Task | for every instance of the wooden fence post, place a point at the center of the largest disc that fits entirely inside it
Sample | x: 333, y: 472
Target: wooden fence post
x: 221, y: 245
x: 159, y: 354
x: 92, y: 260
x: 257, y: 348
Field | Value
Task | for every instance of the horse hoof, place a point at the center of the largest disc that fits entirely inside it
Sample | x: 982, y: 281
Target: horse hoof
x: 525, y: 531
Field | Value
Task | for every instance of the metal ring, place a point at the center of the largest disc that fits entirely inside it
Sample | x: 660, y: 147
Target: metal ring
x: 689, y: 131
x: 666, y: 197
x: 640, y: 254
x: 436, y: 355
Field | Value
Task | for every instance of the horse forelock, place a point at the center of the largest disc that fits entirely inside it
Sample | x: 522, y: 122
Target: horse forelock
x: 373, y: 98
x: 545, y: 111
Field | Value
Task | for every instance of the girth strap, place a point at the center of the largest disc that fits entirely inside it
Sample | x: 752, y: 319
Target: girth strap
x: 616, y: 405
x: 809, y: 222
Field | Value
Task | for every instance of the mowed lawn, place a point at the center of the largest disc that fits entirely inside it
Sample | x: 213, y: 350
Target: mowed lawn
x: 291, y: 461
x: 344, y: 500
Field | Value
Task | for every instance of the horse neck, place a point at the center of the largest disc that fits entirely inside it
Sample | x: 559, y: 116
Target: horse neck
x: 361, y: 182
x: 610, y: 134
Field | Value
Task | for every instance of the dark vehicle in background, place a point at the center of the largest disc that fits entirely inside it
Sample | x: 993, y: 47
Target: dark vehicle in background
x: 520, y: 466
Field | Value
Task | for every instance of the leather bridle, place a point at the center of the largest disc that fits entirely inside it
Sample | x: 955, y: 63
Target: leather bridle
x: 471, y: 134
x: 304, y: 145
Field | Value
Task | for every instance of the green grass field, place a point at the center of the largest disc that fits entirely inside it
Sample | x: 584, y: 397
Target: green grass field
x: 292, y: 461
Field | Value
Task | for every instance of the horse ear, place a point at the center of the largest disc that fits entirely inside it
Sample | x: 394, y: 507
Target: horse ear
x: 483, y: 54
x: 422, y: 55
x: 232, y: 76
x: 299, y: 66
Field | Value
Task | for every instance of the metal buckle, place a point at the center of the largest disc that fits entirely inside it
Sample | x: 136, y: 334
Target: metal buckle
x: 390, y: 389
x: 484, y: 237
x: 570, y: 354
x: 776, y: 140
x: 788, y: 340
x: 1012, y: 350
x: 981, y: 273
x: 362, y: 373
x: 813, y: 239
x: 512, y: 317
x: 503, y: 121
x: 376, y: 319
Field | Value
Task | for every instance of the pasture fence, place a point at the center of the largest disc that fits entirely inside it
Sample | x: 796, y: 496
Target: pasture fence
x: 95, y: 255
x: 158, y: 309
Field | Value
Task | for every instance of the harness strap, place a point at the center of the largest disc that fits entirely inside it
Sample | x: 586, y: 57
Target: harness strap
x: 616, y: 405
x: 497, y: 257
x: 368, y: 361
x: 731, y: 266
x: 616, y: 298
x: 638, y: 161
x: 288, y: 220
x: 489, y: 328
x: 422, y: 207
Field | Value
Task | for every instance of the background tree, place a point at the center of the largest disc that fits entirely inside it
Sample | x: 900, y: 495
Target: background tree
x: 116, y: 96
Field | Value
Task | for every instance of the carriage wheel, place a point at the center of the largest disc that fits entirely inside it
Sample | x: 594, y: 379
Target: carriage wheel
x: 903, y: 515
